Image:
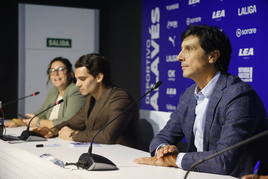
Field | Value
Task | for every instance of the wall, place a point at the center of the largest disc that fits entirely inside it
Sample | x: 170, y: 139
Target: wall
x: 119, y: 42
x: 37, y: 24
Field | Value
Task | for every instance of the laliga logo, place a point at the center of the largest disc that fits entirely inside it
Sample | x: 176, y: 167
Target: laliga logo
x: 247, y: 10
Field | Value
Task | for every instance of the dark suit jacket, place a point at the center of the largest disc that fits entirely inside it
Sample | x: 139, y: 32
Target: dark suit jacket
x: 234, y: 113
x: 95, y: 114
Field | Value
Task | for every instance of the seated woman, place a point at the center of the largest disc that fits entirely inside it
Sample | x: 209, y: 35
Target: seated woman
x: 61, y: 75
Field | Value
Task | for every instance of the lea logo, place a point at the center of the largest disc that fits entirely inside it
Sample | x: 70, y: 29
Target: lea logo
x: 218, y: 14
x: 246, y: 52
x: 247, y: 10
x: 171, y: 91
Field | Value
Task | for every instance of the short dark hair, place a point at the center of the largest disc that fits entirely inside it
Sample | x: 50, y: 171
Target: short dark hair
x: 95, y: 64
x: 68, y: 65
x: 210, y: 39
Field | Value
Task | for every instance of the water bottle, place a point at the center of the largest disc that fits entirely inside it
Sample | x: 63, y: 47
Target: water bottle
x: 1, y: 120
x: 52, y: 159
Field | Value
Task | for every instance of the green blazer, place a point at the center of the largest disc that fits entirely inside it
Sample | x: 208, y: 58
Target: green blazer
x: 72, y: 102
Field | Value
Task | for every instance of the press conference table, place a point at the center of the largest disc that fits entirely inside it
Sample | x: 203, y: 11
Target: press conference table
x: 21, y: 160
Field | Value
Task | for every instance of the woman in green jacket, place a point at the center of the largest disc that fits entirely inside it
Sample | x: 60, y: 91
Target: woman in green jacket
x: 61, y: 75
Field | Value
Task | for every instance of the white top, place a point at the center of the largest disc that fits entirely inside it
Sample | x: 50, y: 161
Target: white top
x: 55, y: 110
x: 202, y: 98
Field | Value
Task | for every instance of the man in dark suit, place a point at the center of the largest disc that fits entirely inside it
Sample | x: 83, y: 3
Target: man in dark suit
x: 103, y: 103
x: 219, y: 110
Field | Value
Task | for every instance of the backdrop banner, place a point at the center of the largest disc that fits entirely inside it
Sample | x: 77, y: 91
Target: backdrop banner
x: 164, y: 21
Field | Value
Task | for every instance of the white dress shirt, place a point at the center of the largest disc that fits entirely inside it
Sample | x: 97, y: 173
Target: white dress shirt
x: 202, y: 98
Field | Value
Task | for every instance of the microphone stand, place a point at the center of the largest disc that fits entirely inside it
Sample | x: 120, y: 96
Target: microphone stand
x: 15, y: 100
x: 96, y: 162
x: 2, y: 127
x: 237, y: 145
x: 28, y: 135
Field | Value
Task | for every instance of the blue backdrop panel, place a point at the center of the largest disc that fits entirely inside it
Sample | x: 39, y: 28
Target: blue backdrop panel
x: 164, y: 21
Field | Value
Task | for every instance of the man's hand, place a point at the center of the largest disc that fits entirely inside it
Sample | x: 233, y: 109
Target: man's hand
x: 255, y: 177
x: 167, y: 149
x: 46, y: 123
x: 66, y: 133
x: 168, y: 160
x: 46, y: 132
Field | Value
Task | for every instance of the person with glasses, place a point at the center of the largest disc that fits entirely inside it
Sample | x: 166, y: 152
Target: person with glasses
x: 61, y: 76
x: 104, y: 102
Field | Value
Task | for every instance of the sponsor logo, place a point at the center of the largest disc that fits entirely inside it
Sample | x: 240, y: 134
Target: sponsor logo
x: 193, y: 20
x: 245, y: 74
x: 170, y: 107
x: 247, y: 10
x: 172, y: 24
x: 240, y: 32
x: 173, y: 7
x: 246, y: 52
x: 171, y: 91
x: 171, y: 75
x: 218, y: 14
x: 192, y: 2
x: 152, y: 57
x: 172, y: 40
x: 171, y: 58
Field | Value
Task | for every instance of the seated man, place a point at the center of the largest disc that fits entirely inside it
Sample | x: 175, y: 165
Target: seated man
x: 219, y: 110
x: 103, y: 103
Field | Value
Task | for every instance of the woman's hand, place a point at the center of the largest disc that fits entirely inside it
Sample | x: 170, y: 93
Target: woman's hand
x: 14, y: 123
x: 29, y: 117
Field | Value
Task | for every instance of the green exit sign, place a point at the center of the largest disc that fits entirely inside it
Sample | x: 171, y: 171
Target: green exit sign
x: 59, y: 43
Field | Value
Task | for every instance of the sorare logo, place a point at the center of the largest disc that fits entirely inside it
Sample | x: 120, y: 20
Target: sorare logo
x: 249, y: 31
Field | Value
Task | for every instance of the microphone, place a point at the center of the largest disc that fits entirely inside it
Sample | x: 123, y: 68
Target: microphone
x: 96, y: 162
x: 237, y: 145
x: 2, y: 127
x: 28, y: 135
x: 15, y: 100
